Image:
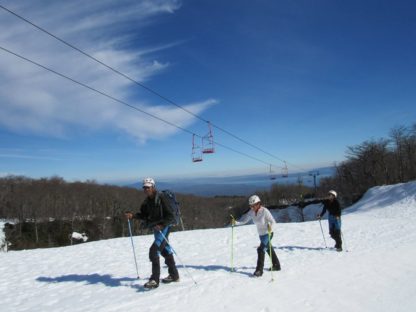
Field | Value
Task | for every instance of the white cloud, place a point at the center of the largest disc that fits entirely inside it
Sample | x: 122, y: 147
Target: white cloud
x: 21, y: 156
x: 144, y: 127
x: 35, y: 101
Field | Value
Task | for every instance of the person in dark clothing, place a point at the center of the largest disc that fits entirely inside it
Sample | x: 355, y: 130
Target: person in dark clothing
x: 157, y: 215
x: 330, y: 204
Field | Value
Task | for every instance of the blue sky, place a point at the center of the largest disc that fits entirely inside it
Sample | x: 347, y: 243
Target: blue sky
x: 302, y: 80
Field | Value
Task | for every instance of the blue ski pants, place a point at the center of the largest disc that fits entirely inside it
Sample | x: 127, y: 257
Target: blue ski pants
x: 334, y: 225
x: 264, y: 242
x: 160, y: 242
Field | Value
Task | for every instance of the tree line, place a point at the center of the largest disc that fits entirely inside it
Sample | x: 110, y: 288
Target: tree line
x: 375, y: 162
x: 46, y: 211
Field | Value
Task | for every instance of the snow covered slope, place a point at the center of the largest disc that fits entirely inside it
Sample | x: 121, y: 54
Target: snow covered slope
x: 380, y: 197
x: 377, y: 274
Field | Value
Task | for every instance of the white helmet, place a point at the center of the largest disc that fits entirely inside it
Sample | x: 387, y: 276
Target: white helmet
x: 149, y: 182
x: 254, y: 199
x: 333, y: 193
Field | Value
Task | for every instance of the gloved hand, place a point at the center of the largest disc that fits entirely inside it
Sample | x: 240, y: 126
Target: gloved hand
x: 129, y: 215
x: 232, y: 220
x: 158, y: 227
x: 318, y: 216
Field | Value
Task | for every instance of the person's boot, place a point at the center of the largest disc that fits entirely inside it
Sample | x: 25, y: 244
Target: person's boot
x: 338, y: 240
x: 151, y: 284
x: 154, y: 258
x: 260, y: 263
x: 275, y: 262
x: 173, y: 271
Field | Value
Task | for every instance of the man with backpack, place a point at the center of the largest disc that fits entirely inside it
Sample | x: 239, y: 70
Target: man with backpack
x: 156, y: 212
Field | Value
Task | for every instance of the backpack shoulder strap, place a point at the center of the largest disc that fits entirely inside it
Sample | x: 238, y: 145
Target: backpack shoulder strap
x: 158, y: 201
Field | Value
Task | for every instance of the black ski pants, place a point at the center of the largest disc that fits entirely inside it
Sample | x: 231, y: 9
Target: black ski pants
x: 160, y: 248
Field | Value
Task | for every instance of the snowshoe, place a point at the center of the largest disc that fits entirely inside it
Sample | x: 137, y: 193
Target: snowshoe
x: 339, y: 249
x: 275, y: 268
x: 257, y: 273
x: 170, y: 279
x: 151, y: 284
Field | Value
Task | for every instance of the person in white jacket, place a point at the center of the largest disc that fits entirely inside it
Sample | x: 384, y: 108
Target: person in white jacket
x: 264, y: 221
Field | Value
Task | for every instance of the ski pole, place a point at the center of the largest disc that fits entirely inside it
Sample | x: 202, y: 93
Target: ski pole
x: 322, y: 231
x: 184, y: 266
x: 270, y: 251
x: 132, y: 245
x: 232, y: 242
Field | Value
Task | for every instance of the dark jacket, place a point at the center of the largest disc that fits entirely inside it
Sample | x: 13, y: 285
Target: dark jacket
x: 156, y: 211
x: 333, y: 207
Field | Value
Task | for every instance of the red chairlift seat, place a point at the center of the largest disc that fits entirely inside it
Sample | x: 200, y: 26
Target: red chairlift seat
x: 196, y: 151
x: 209, y: 150
x: 208, y: 142
x: 196, y: 159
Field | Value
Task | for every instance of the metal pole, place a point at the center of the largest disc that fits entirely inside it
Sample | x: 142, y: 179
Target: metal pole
x: 322, y: 231
x: 232, y: 248
x: 184, y: 266
x: 270, y: 252
x: 132, y: 245
x: 232, y: 243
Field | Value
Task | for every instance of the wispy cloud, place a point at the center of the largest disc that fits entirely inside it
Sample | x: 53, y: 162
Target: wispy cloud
x: 20, y: 156
x: 35, y: 101
x: 135, y: 123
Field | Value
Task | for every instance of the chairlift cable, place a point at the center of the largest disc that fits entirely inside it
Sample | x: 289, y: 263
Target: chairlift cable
x: 95, y: 90
x: 139, y: 84
x: 101, y: 62
x: 124, y: 103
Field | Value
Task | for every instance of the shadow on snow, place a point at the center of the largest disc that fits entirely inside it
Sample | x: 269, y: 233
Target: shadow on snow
x: 220, y: 268
x: 92, y: 279
x: 110, y: 281
x: 302, y: 248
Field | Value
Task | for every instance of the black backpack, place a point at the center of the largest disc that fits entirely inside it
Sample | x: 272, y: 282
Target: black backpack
x: 173, y: 205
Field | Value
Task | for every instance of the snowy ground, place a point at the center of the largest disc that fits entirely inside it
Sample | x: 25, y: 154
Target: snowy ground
x: 378, y: 273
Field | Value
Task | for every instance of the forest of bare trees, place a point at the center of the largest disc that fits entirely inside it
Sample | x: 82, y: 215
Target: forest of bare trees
x: 375, y: 162
x: 46, y: 211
